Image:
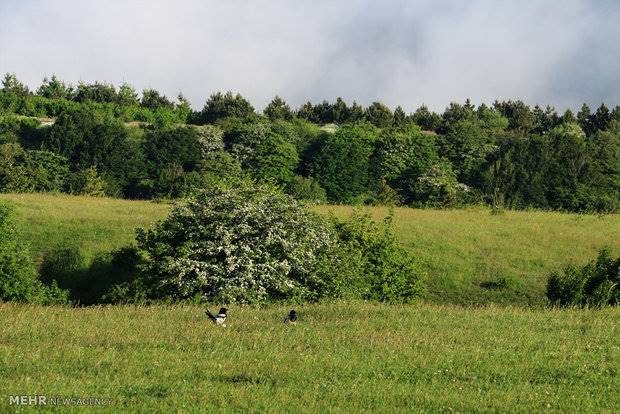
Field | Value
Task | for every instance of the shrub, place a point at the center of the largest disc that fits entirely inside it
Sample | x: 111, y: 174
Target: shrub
x: 87, y: 182
x: 275, y: 160
x: 307, y: 189
x: 595, y: 284
x: 438, y: 187
x: 17, y: 273
x: 246, y: 245
x: 253, y: 244
x: 31, y: 170
x: 18, y: 281
x: 377, y: 268
x: 341, y: 163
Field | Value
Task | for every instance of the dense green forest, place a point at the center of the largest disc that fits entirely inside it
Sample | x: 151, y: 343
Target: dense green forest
x: 97, y: 139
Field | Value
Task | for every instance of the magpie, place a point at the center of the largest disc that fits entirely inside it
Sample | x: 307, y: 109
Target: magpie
x: 219, y: 318
x: 291, y: 317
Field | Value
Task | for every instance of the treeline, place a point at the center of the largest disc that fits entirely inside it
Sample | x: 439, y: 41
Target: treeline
x: 507, y: 154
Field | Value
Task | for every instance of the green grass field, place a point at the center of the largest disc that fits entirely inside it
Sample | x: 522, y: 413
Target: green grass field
x: 434, y: 356
x: 338, y: 358
x: 470, y: 255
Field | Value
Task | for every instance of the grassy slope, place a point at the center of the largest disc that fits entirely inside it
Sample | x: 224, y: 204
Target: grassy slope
x: 339, y: 358
x: 466, y: 253
x: 95, y: 224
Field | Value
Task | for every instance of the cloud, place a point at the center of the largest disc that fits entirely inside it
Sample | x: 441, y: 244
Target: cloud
x: 399, y: 52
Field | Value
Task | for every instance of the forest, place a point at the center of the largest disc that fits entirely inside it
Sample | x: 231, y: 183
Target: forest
x: 102, y: 140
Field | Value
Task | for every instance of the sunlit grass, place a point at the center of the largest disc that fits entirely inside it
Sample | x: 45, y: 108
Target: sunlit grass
x: 339, y: 358
x: 470, y: 256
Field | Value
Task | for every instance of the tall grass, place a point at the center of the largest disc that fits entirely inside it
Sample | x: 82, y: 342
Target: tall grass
x: 344, y: 357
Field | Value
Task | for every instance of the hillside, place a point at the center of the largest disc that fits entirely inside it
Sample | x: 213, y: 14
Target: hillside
x: 470, y: 256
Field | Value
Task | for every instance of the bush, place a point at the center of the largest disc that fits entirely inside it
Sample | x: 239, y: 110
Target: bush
x: 17, y: 273
x: 377, y: 268
x: 341, y: 163
x: 438, y: 187
x: 595, y: 284
x: 246, y: 245
x: 18, y: 281
x: 254, y: 244
x: 87, y: 182
x: 307, y: 189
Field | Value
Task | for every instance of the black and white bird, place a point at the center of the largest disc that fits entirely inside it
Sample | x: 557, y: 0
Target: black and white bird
x: 219, y: 318
x: 291, y: 317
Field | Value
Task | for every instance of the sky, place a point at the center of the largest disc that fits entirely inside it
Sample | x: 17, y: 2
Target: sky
x: 406, y: 53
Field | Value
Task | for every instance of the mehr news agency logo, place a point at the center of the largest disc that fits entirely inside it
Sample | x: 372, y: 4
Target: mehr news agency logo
x: 57, y: 400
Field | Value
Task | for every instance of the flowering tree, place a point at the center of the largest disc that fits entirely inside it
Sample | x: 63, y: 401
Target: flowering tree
x: 244, y: 245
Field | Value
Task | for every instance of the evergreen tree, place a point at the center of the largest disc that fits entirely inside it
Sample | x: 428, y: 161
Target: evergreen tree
x: 278, y: 109
x: 221, y: 105
x: 399, y: 117
x: 12, y: 85
x: 306, y: 111
x: 54, y: 89
x: 379, y: 115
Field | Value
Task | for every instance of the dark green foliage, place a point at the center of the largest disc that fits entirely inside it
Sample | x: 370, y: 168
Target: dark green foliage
x: 127, y: 95
x: 465, y: 143
x: 278, y: 109
x: 595, y: 284
x: 375, y: 266
x: 12, y: 86
x: 225, y: 105
x: 87, y: 182
x: 515, y: 173
x: 427, y: 120
x: 399, y: 117
x: 341, y: 163
x: 306, y: 189
x: 25, y: 131
x: 171, y: 146
x: 379, y: 115
x: 545, y: 121
x: 401, y: 156
x: 54, y: 88
x: 220, y: 165
x: 508, y: 155
x: 306, y: 111
x: 243, y: 136
x: 340, y: 112
x: 519, y: 115
x: 96, y: 92
x: 88, y: 140
x: 18, y: 279
x: 24, y: 171
x: 275, y: 160
x: 153, y: 100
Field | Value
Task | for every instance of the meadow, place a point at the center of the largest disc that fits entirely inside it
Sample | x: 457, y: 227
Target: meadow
x: 469, y: 256
x: 340, y: 357
x: 509, y: 353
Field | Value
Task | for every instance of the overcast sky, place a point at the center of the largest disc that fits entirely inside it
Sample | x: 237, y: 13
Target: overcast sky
x: 404, y: 53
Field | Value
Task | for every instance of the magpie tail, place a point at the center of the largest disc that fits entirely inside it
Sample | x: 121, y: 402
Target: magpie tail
x: 210, y: 315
